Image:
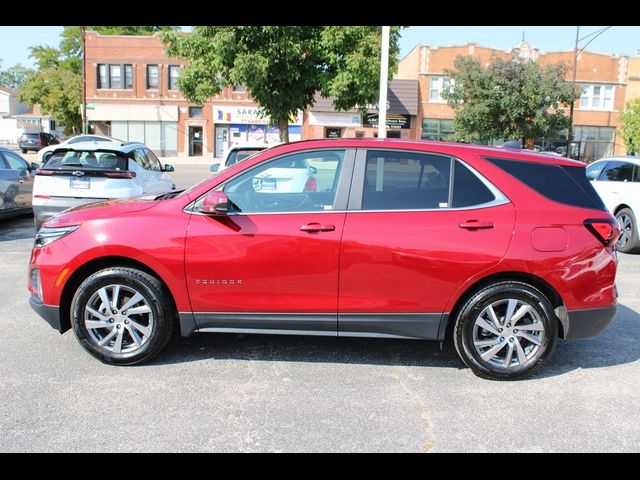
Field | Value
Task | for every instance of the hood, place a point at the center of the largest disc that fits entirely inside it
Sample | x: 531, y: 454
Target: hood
x: 99, y: 210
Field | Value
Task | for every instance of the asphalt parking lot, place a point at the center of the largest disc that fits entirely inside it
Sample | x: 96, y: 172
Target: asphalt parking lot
x: 248, y: 393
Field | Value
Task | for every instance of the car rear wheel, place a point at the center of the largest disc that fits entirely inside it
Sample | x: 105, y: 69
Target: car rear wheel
x: 122, y: 316
x: 23, y: 150
x: 628, y: 242
x: 505, y: 331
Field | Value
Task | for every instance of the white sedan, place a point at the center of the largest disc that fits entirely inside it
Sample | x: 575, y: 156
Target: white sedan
x: 617, y: 181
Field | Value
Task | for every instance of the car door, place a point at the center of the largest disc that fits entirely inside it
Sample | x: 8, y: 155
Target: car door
x: 157, y: 180
x: 22, y: 176
x: 615, y: 184
x: 418, y: 226
x: 272, y: 262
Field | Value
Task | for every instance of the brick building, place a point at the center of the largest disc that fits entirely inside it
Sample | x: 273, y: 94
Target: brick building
x: 596, y: 114
x: 132, y: 94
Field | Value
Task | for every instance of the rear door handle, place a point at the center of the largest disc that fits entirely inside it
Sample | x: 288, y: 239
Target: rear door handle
x: 475, y: 224
x: 317, y: 227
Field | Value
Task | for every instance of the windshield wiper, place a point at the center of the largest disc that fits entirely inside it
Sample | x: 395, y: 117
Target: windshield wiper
x: 165, y: 196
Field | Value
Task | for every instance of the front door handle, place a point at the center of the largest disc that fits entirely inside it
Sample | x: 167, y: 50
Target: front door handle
x: 475, y: 225
x: 317, y: 227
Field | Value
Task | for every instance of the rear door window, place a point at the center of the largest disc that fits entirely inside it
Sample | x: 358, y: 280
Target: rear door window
x: 617, y: 171
x: 396, y: 180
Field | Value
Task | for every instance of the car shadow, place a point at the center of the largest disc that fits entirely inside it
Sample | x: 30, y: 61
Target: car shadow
x: 17, y: 228
x: 618, y: 345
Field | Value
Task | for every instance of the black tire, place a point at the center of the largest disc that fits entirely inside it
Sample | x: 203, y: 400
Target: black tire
x: 159, y: 322
x: 628, y: 241
x: 541, y: 316
x: 24, y: 151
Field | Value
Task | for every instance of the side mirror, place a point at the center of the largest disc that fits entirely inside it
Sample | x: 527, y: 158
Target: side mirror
x: 215, y: 167
x: 34, y: 166
x: 215, y: 203
x: 168, y: 168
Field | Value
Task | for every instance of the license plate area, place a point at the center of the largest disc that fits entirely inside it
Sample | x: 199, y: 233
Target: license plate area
x: 80, y: 183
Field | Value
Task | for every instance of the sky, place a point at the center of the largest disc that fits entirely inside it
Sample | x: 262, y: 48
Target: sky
x: 15, y: 41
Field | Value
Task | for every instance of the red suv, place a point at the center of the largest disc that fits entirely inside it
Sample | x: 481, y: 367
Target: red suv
x: 502, y: 249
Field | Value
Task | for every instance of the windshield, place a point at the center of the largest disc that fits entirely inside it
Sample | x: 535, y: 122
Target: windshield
x: 91, y: 160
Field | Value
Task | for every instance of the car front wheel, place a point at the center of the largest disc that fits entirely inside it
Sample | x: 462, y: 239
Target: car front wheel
x: 122, y: 316
x: 505, y: 331
x: 628, y: 242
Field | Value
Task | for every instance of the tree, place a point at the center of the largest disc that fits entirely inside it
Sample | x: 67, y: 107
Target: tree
x: 15, y: 76
x: 283, y: 66
x: 630, y: 128
x: 57, y: 84
x: 508, y: 99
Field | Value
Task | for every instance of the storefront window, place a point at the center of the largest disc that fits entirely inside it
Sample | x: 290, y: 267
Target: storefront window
x: 436, y: 129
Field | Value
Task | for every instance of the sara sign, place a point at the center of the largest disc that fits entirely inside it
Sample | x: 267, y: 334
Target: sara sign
x: 247, y: 116
x: 394, y: 120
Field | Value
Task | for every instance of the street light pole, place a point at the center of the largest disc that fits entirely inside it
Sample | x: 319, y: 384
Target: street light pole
x: 84, y: 84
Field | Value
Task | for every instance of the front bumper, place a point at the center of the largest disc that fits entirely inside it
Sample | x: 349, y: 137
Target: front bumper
x: 588, y: 323
x: 50, y: 313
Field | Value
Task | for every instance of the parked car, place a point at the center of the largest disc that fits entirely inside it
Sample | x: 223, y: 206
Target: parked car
x: 36, y: 141
x: 504, y: 250
x: 16, y: 183
x: 238, y: 152
x: 617, y: 181
x: 45, y: 153
x: 88, y: 172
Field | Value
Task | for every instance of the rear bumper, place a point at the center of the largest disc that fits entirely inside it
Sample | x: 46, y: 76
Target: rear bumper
x: 588, y: 323
x: 50, y: 313
x: 44, y: 210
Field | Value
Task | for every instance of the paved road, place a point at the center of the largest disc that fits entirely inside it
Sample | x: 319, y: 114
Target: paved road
x: 266, y: 393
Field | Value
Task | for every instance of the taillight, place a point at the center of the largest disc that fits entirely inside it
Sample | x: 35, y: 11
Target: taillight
x: 604, y: 229
x: 120, y: 174
x: 44, y: 197
x: 41, y: 171
x: 39, y: 141
x: 311, y: 185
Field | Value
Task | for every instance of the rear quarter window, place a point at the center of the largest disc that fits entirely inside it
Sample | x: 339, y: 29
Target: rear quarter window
x: 563, y: 184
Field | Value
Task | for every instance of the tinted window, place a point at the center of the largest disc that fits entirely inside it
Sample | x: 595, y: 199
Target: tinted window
x: 594, y: 170
x: 636, y: 173
x: 618, y: 172
x: 294, y: 183
x: 31, y: 136
x: 14, y: 161
x: 405, y: 181
x: 91, y: 160
x: 468, y: 189
x: 563, y: 184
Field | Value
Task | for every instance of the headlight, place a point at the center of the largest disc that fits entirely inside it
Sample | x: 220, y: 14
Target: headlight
x: 46, y: 235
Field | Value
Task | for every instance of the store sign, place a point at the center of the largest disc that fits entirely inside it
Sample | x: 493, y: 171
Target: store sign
x: 247, y: 115
x: 394, y: 120
x: 337, y: 119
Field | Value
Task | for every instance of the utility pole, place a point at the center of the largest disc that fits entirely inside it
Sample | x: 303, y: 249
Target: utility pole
x: 84, y: 84
x: 384, y: 74
x: 573, y: 83
x: 577, y: 52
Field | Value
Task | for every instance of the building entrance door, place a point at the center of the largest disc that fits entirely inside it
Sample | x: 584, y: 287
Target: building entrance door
x: 222, y: 139
x: 195, y: 141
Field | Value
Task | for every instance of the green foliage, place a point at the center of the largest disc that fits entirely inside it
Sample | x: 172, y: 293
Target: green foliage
x: 59, y: 93
x: 283, y: 66
x: 57, y: 85
x: 630, y: 128
x: 508, y: 99
x: 15, y: 76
